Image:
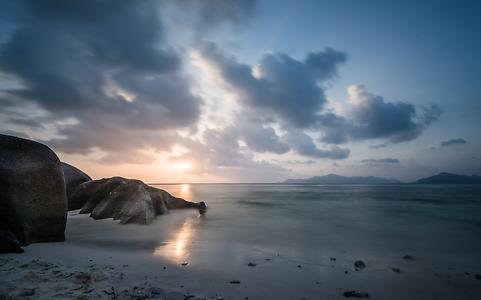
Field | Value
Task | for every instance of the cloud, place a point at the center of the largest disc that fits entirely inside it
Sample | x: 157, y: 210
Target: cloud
x: 301, y: 162
x: 218, y: 151
x: 457, y: 141
x: 32, y: 123
x: 304, y: 145
x: 208, y: 14
x: 290, y: 93
x: 261, y: 138
x: 104, y: 64
x: 279, y: 86
x: 381, y: 161
x: 378, y: 146
x: 395, y: 121
x: 371, y: 117
x: 110, y: 79
x: 16, y: 133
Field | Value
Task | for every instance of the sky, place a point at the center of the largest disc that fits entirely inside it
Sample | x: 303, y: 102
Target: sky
x: 245, y: 91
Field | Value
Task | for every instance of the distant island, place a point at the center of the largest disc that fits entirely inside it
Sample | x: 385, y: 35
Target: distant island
x: 441, y: 178
x: 448, y: 178
x: 338, y: 179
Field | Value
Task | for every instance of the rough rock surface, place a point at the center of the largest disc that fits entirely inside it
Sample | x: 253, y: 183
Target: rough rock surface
x: 73, y: 178
x: 9, y: 243
x: 33, y: 203
x: 127, y: 200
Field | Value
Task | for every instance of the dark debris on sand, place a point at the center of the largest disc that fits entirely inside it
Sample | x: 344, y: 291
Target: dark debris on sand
x: 359, y: 265
x: 355, y: 294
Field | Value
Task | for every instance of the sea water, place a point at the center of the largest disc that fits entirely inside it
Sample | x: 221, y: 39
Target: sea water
x: 303, y: 220
x: 300, y: 241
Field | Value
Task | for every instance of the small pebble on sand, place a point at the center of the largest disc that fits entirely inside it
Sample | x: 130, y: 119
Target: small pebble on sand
x: 359, y: 264
x: 355, y: 294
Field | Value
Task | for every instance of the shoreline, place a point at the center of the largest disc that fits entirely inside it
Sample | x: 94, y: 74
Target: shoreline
x: 99, y: 261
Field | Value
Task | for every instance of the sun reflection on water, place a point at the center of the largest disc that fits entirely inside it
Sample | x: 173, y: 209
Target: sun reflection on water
x: 177, y: 249
x: 185, y: 191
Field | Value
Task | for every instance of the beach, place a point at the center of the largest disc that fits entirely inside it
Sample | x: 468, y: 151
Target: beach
x: 267, y: 242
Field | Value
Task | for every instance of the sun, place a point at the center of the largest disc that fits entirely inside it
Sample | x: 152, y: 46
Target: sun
x: 183, y: 166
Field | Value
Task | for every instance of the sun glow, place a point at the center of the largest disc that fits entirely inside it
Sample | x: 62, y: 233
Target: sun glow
x: 183, y: 166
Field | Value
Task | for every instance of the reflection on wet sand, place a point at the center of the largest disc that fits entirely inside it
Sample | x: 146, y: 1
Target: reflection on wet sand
x: 177, y: 249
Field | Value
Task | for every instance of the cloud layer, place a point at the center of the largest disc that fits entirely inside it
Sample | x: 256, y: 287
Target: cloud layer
x: 290, y: 93
x: 105, y: 78
x: 381, y: 161
x: 451, y: 142
x: 73, y: 61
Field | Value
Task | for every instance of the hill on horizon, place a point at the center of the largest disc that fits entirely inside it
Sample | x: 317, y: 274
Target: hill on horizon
x: 441, y: 178
x: 338, y: 179
x: 449, y: 178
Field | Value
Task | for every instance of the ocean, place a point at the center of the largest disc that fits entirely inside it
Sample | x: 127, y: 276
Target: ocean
x: 301, y: 241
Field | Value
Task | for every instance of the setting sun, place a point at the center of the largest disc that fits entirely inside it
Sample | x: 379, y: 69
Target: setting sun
x: 183, y: 166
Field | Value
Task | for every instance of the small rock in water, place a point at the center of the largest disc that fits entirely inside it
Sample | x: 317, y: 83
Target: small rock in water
x: 333, y: 259
x: 356, y: 294
x: 359, y: 264
x: 396, y: 270
x: 346, y: 272
x: 408, y: 257
x: 251, y: 264
x: 234, y: 282
x: 299, y: 266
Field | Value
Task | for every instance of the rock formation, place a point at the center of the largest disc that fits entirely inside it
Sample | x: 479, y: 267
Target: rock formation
x: 73, y: 178
x: 33, y: 203
x: 127, y: 200
x: 9, y: 243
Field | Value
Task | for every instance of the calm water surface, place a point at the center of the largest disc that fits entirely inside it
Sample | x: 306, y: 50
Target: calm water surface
x: 309, y: 221
x: 293, y: 232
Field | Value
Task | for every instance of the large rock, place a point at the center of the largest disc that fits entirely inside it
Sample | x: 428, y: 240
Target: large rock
x: 33, y: 203
x: 9, y: 243
x: 73, y: 178
x: 127, y: 200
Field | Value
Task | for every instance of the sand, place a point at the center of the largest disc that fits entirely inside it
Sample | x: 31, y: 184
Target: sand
x: 104, y: 260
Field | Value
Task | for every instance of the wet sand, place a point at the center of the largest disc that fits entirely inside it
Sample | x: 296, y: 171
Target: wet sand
x: 102, y: 259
